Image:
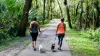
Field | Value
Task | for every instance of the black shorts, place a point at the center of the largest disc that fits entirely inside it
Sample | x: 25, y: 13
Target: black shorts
x: 34, y: 36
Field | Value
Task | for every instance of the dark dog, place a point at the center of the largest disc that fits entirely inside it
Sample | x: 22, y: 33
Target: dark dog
x: 53, y: 46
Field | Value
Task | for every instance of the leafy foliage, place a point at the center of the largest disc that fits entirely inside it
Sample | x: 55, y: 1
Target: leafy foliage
x: 10, y: 14
x: 92, y: 34
x: 90, y: 13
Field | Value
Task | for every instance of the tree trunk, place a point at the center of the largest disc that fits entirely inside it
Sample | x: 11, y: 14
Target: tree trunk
x: 98, y: 13
x: 24, y: 20
x: 48, y: 9
x: 68, y: 14
x: 60, y: 8
x: 80, y: 18
x: 51, y: 8
x: 87, y: 14
x: 36, y: 4
x: 74, y: 7
x: 77, y: 8
x: 44, y: 1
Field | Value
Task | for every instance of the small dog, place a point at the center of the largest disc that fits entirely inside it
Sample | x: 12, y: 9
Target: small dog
x: 53, y: 46
x: 41, y: 49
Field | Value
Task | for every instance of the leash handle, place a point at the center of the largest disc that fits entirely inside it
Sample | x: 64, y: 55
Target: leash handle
x: 55, y: 37
x: 40, y: 34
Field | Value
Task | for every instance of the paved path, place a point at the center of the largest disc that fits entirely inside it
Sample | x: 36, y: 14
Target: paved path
x: 47, y: 39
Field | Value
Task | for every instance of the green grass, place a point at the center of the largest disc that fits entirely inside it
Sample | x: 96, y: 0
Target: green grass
x: 80, y: 46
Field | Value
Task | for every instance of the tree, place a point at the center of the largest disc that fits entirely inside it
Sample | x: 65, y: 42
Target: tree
x: 77, y: 8
x: 87, y: 14
x: 96, y: 4
x: 24, y: 20
x: 44, y: 1
x: 60, y: 8
x: 36, y: 4
x: 80, y: 18
x: 48, y: 2
x: 68, y: 15
x: 51, y: 2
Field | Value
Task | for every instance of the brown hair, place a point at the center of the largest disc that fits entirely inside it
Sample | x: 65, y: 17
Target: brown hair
x: 62, y: 19
x: 35, y: 18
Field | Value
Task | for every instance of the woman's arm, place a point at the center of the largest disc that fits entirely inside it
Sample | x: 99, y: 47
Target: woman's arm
x: 30, y: 27
x: 57, y: 28
x: 38, y: 26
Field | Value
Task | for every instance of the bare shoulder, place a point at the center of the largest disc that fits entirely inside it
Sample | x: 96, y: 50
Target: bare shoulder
x: 59, y: 23
x: 32, y: 22
x: 37, y: 22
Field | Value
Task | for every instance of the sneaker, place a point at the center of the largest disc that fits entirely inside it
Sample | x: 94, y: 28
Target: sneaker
x: 59, y: 49
x: 34, y: 49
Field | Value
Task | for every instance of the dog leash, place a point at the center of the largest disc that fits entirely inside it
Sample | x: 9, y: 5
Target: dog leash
x: 40, y: 46
x: 42, y: 32
x: 55, y: 37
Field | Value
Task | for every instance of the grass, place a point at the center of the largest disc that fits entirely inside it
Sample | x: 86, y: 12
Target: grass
x: 80, y: 46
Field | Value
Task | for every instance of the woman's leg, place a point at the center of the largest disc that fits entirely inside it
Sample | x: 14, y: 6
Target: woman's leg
x: 34, y: 43
x: 61, y: 40
x: 58, y: 40
x: 34, y: 39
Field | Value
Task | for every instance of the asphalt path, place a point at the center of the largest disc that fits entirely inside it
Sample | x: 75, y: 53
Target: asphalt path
x: 46, y: 39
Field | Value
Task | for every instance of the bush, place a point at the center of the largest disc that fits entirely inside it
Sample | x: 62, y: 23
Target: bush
x: 92, y: 34
x: 3, y: 35
x: 12, y: 31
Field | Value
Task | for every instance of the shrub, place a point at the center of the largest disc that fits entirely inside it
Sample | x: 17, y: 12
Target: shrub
x: 3, y: 35
x: 92, y: 34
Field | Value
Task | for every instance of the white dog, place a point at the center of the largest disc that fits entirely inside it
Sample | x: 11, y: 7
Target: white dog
x: 40, y: 47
